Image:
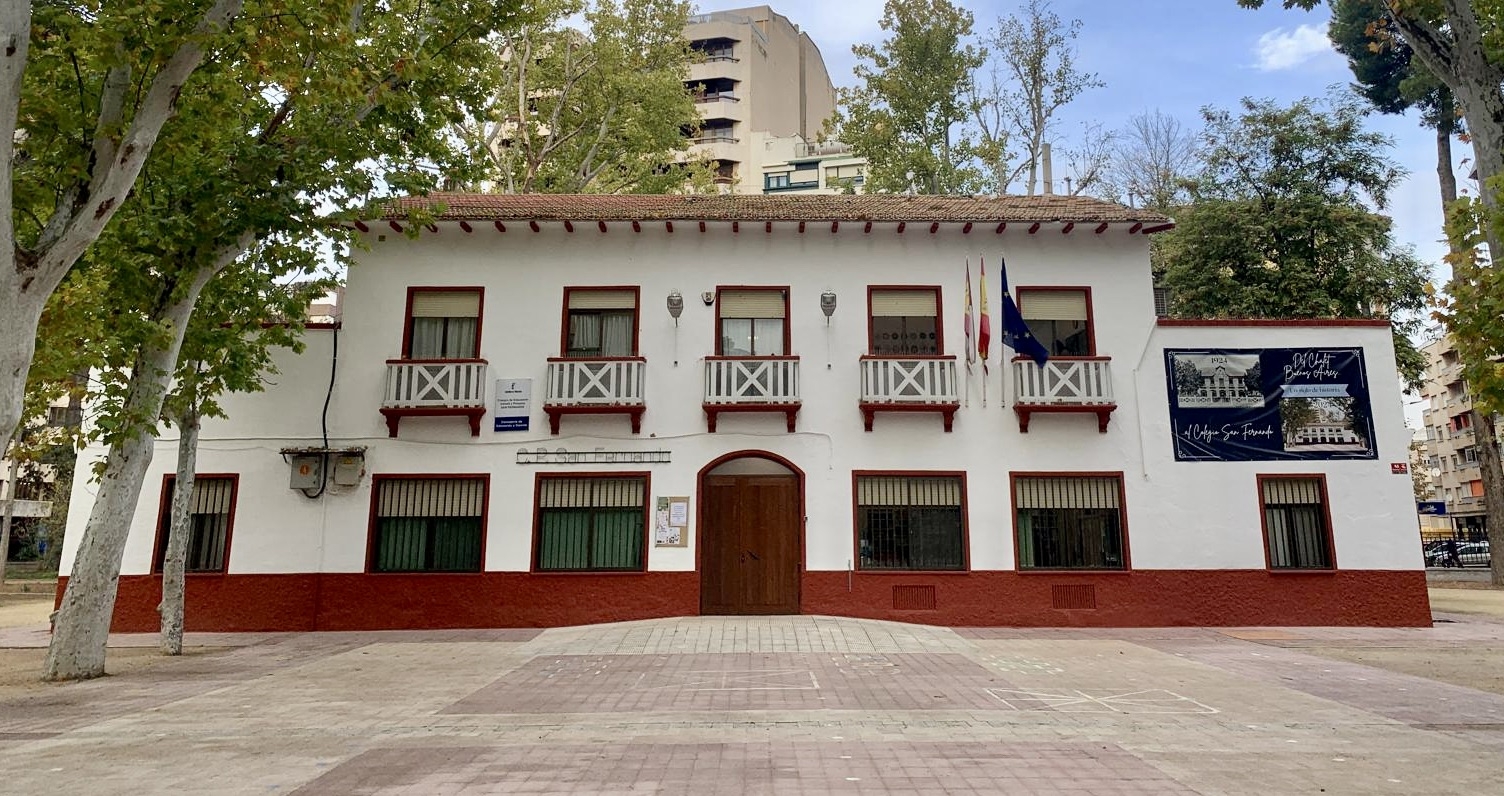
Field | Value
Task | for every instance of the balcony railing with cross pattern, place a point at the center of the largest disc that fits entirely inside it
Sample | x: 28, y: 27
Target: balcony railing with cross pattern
x: 909, y: 384
x: 434, y: 387
x: 605, y: 385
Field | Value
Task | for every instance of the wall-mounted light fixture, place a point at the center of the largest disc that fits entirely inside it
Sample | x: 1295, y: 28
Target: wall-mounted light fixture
x: 675, y: 305
x: 828, y: 304
x: 708, y: 297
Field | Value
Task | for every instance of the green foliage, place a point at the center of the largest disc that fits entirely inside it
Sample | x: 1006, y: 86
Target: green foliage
x: 908, y: 111
x: 1280, y: 224
x: 1473, y: 304
x: 601, y: 109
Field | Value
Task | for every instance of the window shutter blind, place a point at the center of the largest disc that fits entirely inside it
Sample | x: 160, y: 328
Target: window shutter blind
x: 903, y: 303
x: 602, y: 300
x: 212, y: 495
x: 882, y: 490
x: 1053, y: 305
x: 446, y: 304
x: 601, y: 493
x: 1292, y: 491
x: 431, y: 497
x: 1065, y: 493
x: 751, y: 304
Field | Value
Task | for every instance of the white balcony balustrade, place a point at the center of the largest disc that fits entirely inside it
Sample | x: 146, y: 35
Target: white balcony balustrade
x: 1081, y: 384
x: 909, y: 384
x: 595, y: 386
x: 751, y: 384
x: 434, y: 387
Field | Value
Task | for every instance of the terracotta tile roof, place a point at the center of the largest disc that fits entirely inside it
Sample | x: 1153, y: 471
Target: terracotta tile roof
x: 868, y: 207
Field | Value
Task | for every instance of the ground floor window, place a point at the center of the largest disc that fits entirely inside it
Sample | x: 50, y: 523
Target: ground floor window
x: 1297, y: 528
x: 1069, y: 522
x: 429, y: 524
x: 593, y: 523
x: 209, y: 521
x: 911, y: 522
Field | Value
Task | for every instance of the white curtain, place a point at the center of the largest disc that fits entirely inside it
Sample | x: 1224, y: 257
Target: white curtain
x: 616, y: 334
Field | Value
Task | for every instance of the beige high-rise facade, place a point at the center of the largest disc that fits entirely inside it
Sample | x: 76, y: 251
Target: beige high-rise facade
x: 760, y: 74
x: 1451, y: 452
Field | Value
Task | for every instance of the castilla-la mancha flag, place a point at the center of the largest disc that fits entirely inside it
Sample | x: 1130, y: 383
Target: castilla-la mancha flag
x: 984, y: 331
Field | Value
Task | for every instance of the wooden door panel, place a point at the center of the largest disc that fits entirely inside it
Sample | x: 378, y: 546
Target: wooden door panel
x: 749, y: 555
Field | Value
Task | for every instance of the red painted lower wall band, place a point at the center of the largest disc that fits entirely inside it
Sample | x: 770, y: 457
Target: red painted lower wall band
x: 1142, y: 598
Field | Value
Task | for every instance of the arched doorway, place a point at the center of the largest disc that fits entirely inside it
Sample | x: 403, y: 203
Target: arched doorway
x: 750, y: 534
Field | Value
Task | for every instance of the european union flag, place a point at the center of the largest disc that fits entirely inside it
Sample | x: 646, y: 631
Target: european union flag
x: 1016, y: 334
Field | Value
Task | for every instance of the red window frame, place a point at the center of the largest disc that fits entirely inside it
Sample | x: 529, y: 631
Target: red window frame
x: 164, y: 515
x: 788, y: 341
x: 856, y: 522
x: 1122, y: 520
x: 636, y: 316
x: 647, y: 520
x: 1091, y: 320
x: 373, y: 517
x: 480, y: 315
x: 939, y: 318
x: 1326, y: 518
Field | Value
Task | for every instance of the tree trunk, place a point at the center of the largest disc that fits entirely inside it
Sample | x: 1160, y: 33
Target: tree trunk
x: 10, y: 512
x: 1487, y: 444
x: 175, y: 561
x: 82, y: 628
x: 1446, y: 177
x: 20, y: 313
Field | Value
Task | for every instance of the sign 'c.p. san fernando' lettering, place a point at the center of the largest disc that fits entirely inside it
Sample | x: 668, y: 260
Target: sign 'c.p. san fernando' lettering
x: 1264, y: 404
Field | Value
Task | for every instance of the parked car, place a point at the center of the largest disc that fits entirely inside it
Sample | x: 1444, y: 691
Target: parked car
x: 1468, y: 554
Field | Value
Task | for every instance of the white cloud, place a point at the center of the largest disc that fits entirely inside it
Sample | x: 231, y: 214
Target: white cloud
x: 1278, y: 50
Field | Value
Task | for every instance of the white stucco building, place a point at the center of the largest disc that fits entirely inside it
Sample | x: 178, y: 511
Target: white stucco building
x: 560, y: 409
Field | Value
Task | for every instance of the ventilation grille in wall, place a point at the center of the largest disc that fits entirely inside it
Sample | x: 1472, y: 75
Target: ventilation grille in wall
x: 1073, y: 597
x: 913, y: 598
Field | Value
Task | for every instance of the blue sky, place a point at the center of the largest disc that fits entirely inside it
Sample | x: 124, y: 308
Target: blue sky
x: 1176, y: 56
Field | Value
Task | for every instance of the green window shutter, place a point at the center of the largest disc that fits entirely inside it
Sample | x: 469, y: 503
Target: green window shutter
x: 618, y: 539
x: 456, y: 544
x: 564, y: 539
x: 402, y: 544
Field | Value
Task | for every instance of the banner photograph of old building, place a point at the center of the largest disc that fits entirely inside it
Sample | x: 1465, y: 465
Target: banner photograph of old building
x: 553, y: 410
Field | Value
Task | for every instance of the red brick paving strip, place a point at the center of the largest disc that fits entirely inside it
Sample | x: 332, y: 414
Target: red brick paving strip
x: 739, y: 681
x: 754, y: 768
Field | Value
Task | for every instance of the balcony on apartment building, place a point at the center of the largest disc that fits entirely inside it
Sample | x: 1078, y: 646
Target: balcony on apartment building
x: 909, y: 384
x: 440, y: 372
x: 1074, y: 384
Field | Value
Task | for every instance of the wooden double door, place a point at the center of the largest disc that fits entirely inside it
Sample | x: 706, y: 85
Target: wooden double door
x: 749, y: 544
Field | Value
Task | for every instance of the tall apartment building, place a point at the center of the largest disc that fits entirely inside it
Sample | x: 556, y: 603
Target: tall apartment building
x: 760, y: 74
x: 1450, y: 441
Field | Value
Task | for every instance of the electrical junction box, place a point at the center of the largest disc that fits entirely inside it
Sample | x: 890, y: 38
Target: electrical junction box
x: 348, y: 470
x: 307, y: 472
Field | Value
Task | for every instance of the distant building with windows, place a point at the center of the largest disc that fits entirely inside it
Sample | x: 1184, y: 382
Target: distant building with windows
x: 760, y: 75
x: 1451, y: 443
x: 790, y: 164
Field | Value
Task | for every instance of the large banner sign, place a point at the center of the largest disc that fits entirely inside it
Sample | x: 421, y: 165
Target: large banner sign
x: 1256, y: 404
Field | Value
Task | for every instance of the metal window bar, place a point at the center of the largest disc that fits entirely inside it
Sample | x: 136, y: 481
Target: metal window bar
x: 910, y: 523
x: 1295, y: 521
x: 429, y: 525
x: 591, y: 523
x: 1069, y: 523
x: 208, y: 524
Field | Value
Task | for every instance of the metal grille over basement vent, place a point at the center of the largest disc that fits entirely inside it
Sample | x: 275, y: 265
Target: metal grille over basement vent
x: 1077, y: 597
x: 913, y: 598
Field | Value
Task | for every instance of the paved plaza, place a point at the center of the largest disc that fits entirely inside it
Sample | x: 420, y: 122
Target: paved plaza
x: 782, y: 705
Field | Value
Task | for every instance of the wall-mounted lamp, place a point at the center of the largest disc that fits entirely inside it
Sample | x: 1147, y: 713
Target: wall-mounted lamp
x: 828, y: 304
x: 675, y: 305
x: 708, y: 297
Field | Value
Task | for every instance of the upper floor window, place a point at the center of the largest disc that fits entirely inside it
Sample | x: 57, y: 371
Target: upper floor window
x: 775, y: 181
x: 428, y: 524
x: 904, y: 322
x: 600, y: 322
x: 837, y: 176
x: 1060, y: 317
x: 210, y: 515
x: 443, y: 323
x: 1069, y: 522
x: 910, y: 522
x: 752, y: 322
x: 1297, y: 523
x: 591, y: 523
